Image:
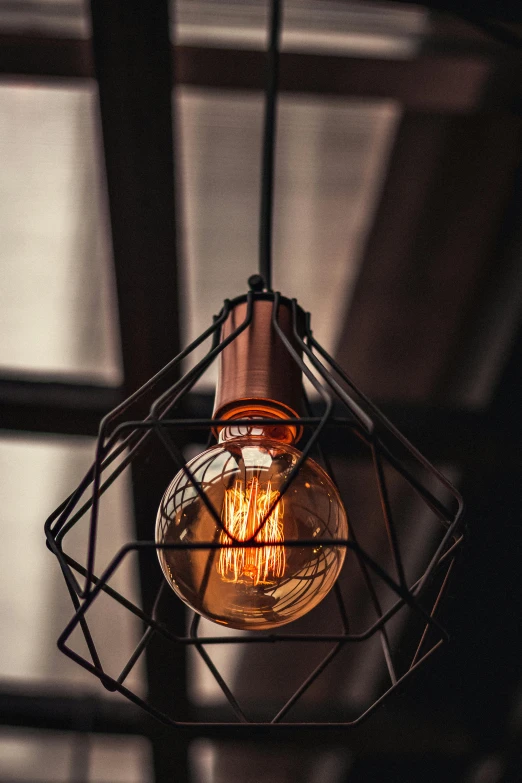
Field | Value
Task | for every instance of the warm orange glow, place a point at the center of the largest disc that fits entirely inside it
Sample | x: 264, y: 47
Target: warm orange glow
x: 244, y: 509
x: 260, y: 409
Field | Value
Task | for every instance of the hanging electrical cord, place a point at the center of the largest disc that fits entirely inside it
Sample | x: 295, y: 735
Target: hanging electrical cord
x: 269, y: 134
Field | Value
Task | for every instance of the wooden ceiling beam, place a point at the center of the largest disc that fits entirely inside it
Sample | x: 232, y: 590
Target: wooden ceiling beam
x: 45, y: 57
x: 435, y: 82
x: 478, y: 439
x: 56, y: 407
x: 428, y: 82
x: 132, y: 61
x: 431, y: 248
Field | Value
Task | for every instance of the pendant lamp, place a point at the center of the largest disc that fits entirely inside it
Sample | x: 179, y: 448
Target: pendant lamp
x: 253, y: 532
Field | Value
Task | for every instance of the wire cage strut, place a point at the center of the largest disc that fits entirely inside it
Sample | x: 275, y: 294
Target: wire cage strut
x: 338, y: 406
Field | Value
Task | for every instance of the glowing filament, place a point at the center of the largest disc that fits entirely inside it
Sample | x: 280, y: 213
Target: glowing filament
x: 244, y: 510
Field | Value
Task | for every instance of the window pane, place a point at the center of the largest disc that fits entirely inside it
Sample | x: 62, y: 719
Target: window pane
x: 53, y: 757
x: 331, y: 159
x: 36, y: 474
x: 363, y: 29
x: 68, y: 18
x: 57, y: 308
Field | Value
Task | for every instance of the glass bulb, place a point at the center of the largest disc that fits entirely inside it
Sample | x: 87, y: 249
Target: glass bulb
x: 252, y: 588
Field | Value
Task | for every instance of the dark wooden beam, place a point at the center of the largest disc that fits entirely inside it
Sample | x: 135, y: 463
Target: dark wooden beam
x: 438, y: 82
x: 433, y: 242
x: 488, y: 344
x: 390, y: 729
x: 393, y: 731
x: 457, y: 436
x: 427, y: 83
x: 24, y: 706
x: 36, y: 405
x: 40, y: 56
x: 132, y: 59
x: 508, y: 11
x: 134, y: 75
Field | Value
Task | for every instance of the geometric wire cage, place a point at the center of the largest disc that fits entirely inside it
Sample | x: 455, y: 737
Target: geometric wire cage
x: 386, y: 584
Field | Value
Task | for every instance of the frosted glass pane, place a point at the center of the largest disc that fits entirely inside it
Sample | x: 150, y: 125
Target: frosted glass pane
x: 51, y: 757
x: 36, y: 474
x: 331, y: 159
x: 68, y: 18
x: 363, y: 29
x: 57, y: 308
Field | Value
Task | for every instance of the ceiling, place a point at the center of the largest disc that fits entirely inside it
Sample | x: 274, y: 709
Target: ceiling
x: 130, y: 140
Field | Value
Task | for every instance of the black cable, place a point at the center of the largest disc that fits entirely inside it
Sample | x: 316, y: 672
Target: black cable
x: 267, y: 167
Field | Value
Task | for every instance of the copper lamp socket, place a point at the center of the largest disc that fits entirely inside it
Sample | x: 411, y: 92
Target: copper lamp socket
x: 256, y: 375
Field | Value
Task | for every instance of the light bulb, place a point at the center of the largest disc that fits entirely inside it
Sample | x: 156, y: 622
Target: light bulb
x: 252, y: 588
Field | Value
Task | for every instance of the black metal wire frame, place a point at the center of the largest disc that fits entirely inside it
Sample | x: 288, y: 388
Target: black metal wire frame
x: 122, y: 440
